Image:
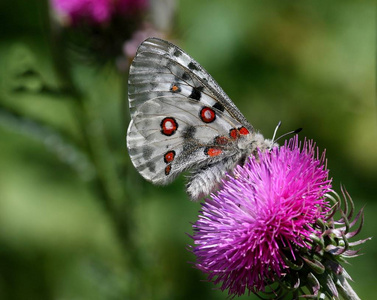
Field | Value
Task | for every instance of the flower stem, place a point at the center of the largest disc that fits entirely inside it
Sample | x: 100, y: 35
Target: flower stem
x: 345, y: 290
x: 107, y: 184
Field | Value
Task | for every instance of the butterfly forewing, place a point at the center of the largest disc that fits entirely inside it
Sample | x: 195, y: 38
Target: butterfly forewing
x: 163, y: 126
x: 159, y: 64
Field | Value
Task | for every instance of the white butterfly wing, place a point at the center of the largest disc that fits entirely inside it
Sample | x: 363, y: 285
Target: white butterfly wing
x: 181, y: 118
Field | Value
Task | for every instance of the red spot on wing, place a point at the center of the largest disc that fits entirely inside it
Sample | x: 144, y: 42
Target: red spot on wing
x: 167, y: 170
x: 233, y: 133
x: 221, y: 140
x: 169, y: 156
x: 207, y: 115
x: 213, y: 151
x: 168, y: 126
x: 243, y: 130
x: 175, y: 88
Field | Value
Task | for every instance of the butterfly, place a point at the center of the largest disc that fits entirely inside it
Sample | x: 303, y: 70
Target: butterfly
x: 182, y: 120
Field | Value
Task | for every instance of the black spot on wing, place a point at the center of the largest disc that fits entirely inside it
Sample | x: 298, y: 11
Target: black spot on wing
x: 185, y: 76
x: 193, y: 66
x: 153, y: 86
x: 218, y: 106
x: 188, y: 132
x: 177, y: 53
x: 196, y: 93
x: 151, y: 166
x: 132, y: 151
x: 189, y: 148
x: 147, y: 152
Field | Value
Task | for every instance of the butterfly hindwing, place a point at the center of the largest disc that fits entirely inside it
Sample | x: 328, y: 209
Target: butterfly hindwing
x: 168, y: 135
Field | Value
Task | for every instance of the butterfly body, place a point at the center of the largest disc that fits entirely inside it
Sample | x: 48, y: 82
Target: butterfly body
x: 182, y: 120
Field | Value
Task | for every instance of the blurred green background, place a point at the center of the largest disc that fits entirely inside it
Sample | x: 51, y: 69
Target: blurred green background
x: 310, y: 64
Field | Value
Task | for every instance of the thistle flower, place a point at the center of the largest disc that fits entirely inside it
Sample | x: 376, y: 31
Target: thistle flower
x: 95, y: 31
x: 268, y: 227
x: 74, y: 11
x: 95, y: 11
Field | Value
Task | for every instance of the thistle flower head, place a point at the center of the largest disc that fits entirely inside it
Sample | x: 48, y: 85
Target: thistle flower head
x: 95, y: 30
x: 263, y: 225
x: 95, y: 11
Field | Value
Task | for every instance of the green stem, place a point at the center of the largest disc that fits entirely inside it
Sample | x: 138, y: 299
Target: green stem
x: 107, y: 183
x: 345, y: 289
x: 90, y: 122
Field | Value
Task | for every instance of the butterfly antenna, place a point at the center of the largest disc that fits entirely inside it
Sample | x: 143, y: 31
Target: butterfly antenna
x: 276, y: 130
x: 287, y: 133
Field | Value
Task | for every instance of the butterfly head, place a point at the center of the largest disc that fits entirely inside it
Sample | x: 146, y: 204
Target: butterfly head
x: 262, y: 144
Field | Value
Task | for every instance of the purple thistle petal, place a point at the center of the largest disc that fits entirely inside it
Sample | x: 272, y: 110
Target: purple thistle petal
x: 96, y: 11
x: 270, y: 203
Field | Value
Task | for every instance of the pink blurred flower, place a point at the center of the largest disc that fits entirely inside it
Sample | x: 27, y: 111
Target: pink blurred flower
x: 268, y: 208
x: 130, y: 46
x: 96, y: 11
x: 130, y: 6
